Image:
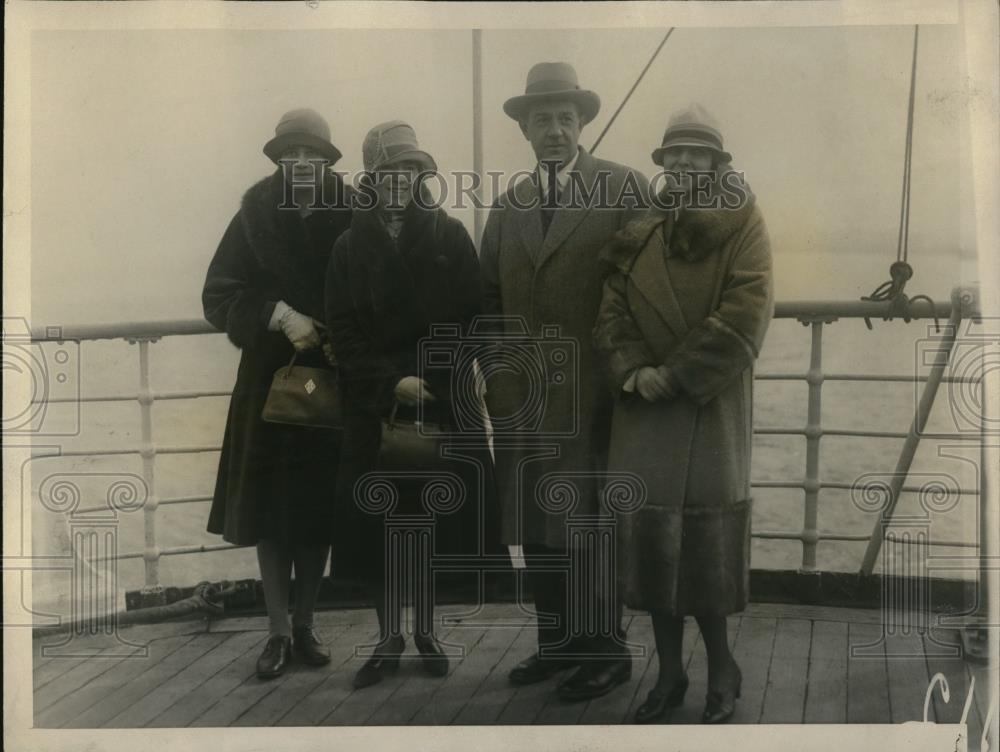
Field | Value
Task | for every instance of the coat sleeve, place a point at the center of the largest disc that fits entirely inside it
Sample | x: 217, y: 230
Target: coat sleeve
x: 232, y: 300
x: 728, y: 341
x: 617, y: 336
x: 468, y: 278
x: 489, y: 261
x: 359, y: 361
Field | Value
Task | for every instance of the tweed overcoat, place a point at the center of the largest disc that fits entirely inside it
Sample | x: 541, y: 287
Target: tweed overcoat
x: 692, y: 292
x: 274, y: 481
x: 546, y: 396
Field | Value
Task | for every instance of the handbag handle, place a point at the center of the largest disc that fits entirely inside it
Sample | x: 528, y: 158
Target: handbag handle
x: 291, y: 364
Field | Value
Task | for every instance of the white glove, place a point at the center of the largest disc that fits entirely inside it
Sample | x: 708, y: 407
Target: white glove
x: 412, y: 390
x: 299, y: 328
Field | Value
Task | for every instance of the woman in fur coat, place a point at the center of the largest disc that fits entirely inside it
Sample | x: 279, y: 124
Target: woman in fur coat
x: 404, y: 280
x: 682, y: 321
x: 264, y: 288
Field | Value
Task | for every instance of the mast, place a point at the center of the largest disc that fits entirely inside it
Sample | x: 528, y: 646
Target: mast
x: 477, y: 131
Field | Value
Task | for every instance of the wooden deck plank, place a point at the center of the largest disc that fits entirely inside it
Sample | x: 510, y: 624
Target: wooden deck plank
x: 230, y: 648
x: 54, y: 668
x: 867, y: 679
x: 64, y: 712
x: 697, y: 671
x: 415, y: 684
x: 907, y: 667
x: 126, y: 695
x: 787, y: 679
x: 484, y: 648
x: 296, y: 683
x: 496, y: 690
x: 57, y: 698
x: 753, y: 649
x: 329, y: 693
x: 826, y: 695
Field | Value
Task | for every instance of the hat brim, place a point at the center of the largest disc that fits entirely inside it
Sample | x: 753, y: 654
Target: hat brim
x: 277, y: 146
x: 415, y: 155
x: 588, y: 102
x: 657, y: 155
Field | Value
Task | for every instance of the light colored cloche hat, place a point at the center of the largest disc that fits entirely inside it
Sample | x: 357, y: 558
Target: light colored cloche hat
x: 553, y: 81
x: 692, y: 126
x: 393, y: 141
x: 302, y: 127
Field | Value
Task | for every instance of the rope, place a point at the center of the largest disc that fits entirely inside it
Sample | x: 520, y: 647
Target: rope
x: 629, y: 94
x: 902, y: 246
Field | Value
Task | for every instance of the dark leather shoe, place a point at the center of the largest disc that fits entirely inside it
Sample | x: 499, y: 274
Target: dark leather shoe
x: 384, y: 661
x: 536, y: 669
x: 595, y: 678
x: 309, y: 647
x: 720, y: 704
x: 274, y: 660
x: 660, y: 700
x: 434, y: 659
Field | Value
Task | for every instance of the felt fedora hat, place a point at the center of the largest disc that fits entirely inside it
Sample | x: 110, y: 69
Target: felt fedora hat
x: 692, y: 126
x: 548, y: 81
x: 302, y: 127
x: 390, y: 142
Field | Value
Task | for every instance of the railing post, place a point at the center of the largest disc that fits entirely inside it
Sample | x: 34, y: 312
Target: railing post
x: 151, y: 552
x: 814, y: 432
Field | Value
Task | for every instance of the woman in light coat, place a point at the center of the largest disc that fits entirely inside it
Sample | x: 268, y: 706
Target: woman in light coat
x: 682, y: 320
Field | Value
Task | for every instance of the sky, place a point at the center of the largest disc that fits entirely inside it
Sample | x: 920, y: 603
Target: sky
x: 143, y: 141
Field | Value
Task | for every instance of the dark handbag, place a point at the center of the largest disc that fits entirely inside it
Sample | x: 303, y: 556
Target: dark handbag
x: 411, y: 446
x: 304, y: 396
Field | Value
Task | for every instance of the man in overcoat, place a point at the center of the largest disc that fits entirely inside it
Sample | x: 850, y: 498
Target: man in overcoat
x: 547, y: 399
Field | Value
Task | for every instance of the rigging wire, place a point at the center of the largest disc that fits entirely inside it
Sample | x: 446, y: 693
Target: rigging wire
x: 629, y: 94
x: 902, y: 246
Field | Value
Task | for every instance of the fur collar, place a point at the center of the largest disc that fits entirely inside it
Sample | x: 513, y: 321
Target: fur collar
x: 693, y: 233
x: 279, y: 245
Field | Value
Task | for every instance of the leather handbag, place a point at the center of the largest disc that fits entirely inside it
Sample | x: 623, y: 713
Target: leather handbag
x: 410, y: 446
x: 304, y: 396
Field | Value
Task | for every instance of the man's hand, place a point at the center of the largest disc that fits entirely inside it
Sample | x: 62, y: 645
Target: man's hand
x: 412, y: 391
x: 652, y: 384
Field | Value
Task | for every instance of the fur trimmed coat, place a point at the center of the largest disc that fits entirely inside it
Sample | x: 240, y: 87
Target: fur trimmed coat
x: 387, y: 302
x: 274, y: 481
x: 691, y: 291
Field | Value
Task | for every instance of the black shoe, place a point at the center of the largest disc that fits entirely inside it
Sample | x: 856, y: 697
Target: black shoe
x: 434, y: 659
x: 274, y: 660
x: 660, y: 700
x: 595, y: 678
x: 309, y: 647
x: 536, y: 669
x: 383, y: 662
x: 720, y: 704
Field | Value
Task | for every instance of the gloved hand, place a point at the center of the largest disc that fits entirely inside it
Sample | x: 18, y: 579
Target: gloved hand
x: 412, y: 390
x: 299, y: 328
x: 652, y: 384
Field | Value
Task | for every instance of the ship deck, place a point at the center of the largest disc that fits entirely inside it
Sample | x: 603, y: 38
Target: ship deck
x: 200, y: 673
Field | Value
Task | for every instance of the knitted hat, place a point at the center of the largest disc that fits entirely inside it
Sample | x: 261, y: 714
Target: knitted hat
x: 693, y: 126
x: 302, y: 127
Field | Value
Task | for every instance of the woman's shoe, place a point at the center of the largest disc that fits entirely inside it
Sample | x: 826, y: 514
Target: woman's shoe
x: 309, y: 647
x: 384, y: 661
x: 274, y: 660
x: 659, y: 701
x: 434, y: 658
x: 720, y: 705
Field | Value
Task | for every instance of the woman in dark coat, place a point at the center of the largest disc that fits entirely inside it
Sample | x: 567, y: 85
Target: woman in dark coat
x: 682, y: 321
x: 264, y: 288
x: 403, y: 268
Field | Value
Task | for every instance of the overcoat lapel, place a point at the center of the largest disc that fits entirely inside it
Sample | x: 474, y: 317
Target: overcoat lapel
x: 649, y: 275
x: 530, y: 219
x: 566, y: 219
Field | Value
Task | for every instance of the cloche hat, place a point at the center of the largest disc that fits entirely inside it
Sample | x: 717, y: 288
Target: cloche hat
x: 692, y: 126
x: 302, y: 127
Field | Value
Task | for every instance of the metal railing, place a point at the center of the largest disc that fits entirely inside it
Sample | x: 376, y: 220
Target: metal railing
x: 816, y: 315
